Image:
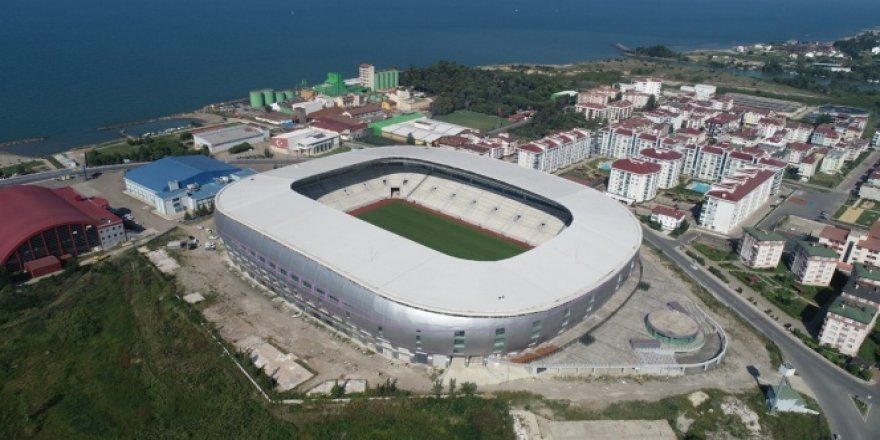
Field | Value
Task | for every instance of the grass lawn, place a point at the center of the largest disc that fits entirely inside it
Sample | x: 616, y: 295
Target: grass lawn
x: 478, y: 121
x: 378, y: 141
x: 713, y: 253
x: 870, y: 349
x: 867, y: 218
x: 28, y: 166
x: 111, y: 352
x: 439, y: 233
x: 827, y: 180
x: 118, y: 148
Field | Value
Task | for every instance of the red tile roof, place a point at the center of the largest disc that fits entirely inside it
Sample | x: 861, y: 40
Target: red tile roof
x: 871, y: 244
x: 635, y: 166
x: 834, y: 233
x: 654, y: 153
x: 669, y: 212
x: 741, y: 189
x: 799, y: 146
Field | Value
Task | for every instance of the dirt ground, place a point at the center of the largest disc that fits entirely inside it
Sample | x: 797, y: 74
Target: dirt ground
x: 241, y: 310
x: 745, y: 353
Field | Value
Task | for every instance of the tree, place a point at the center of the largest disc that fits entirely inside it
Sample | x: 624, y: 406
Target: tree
x: 824, y: 118
x: 652, y: 103
x: 469, y: 388
x: 267, y: 153
x: 410, y: 139
x: 338, y: 390
x: 681, y: 229
x: 437, y: 388
x: 452, y: 387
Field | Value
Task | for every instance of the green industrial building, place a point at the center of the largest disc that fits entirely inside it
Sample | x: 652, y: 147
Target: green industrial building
x: 386, y: 79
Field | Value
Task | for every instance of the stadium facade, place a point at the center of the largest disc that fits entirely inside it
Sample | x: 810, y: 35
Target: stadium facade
x: 289, y: 229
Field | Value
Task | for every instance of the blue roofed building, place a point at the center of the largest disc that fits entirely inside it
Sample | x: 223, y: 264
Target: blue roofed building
x: 179, y: 184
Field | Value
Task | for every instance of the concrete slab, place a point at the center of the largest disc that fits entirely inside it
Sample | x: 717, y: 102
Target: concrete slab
x: 194, y: 298
x: 606, y: 430
x: 351, y: 386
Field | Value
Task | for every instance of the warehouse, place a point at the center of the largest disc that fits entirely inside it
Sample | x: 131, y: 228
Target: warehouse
x: 421, y: 131
x: 222, y: 139
x: 39, y: 223
x: 179, y: 184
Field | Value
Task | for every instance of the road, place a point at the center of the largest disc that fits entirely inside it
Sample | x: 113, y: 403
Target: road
x: 831, y: 386
x: 808, y: 201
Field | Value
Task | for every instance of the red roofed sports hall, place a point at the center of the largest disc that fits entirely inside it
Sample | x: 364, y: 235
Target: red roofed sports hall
x: 39, y: 222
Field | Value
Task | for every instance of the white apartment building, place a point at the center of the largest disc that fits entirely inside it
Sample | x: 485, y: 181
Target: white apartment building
x: 710, y: 164
x: 650, y: 86
x: 736, y: 160
x: 813, y: 264
x: 633, y: 180
x: 852, y: 315
x: 730, y: 202
x: 668, y: 218
x: 367, y: 76
x: 832, y: 163
x: 618, y: 142
x: 759, y: 249
x: 807, y: 167
x: 670, y: 162
x: 556, y: 151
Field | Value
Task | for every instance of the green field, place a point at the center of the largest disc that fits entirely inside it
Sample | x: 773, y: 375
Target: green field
x: 440, y: 233
x: 110, y: 351
x: 478, y: 121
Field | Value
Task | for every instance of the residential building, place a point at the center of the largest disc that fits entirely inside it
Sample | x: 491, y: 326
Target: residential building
x: 833, y: 162
x: 556, y: 151
x: 222, y: 139
x: 381, y: 80
x: 619, y: 110
x: 670, y: 162
x: 852, y: 315
x: 178, y: 184
x: 732, y: 200
x: 710, y: 164
x: 813, y: 264
x: 633, y: 180
x: 759, y: 249
x: 704, y: 92
x: 650, y: 86
x: 807, y: 167
x: 875, y: 141
x: 668, y: 218
x: 796, y: 151
x: 835, y: 238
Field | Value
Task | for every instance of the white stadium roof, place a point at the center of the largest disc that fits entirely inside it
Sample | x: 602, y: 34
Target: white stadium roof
x: 601, y: 239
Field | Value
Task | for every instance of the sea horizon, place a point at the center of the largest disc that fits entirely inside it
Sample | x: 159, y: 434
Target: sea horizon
x: 91, y: 65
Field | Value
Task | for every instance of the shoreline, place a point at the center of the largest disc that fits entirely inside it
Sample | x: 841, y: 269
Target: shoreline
x: 197, y: 114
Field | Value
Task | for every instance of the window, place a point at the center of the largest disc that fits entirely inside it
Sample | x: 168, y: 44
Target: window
x: 333, y: 298
x: 458, y: 342
x: 283, y: 271
x: 307, y: 284
x: 320, y: 292
x: 263, y: 260
x: 381, y: 332
x: 272, y: 265
x: 294, y: 277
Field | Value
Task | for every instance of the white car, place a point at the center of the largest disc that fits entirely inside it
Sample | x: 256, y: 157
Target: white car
x: 212, y: 237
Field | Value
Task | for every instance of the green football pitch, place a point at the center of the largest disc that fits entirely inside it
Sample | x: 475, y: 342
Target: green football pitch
x: 440, y: 233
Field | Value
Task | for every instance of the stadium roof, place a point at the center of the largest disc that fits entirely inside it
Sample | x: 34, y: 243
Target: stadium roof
x: 601, y: 240
x: 28, y: 210
x: 184, y: 169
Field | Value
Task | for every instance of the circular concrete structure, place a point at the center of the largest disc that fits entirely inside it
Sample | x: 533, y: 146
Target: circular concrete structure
x: 672, y: 327
x: 290, y: 230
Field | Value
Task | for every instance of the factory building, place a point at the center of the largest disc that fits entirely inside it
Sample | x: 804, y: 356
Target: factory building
x: 222, y: 139
x: 179, y: 184
x: 43, y: 226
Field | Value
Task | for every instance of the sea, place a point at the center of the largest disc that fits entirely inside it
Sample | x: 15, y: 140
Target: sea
x: 68, y: 68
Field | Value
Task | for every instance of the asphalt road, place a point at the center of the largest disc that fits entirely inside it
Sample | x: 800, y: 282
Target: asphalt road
x: 808, y: 201
x: 833, y: 387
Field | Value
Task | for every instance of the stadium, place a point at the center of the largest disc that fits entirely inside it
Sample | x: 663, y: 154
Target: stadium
x: 426, y: 254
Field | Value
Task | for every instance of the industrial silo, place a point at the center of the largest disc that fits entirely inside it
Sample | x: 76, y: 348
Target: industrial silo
x: 279, y: 96
x: 268, y: 96
x: 257, y: 99
x: 289, y: 94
